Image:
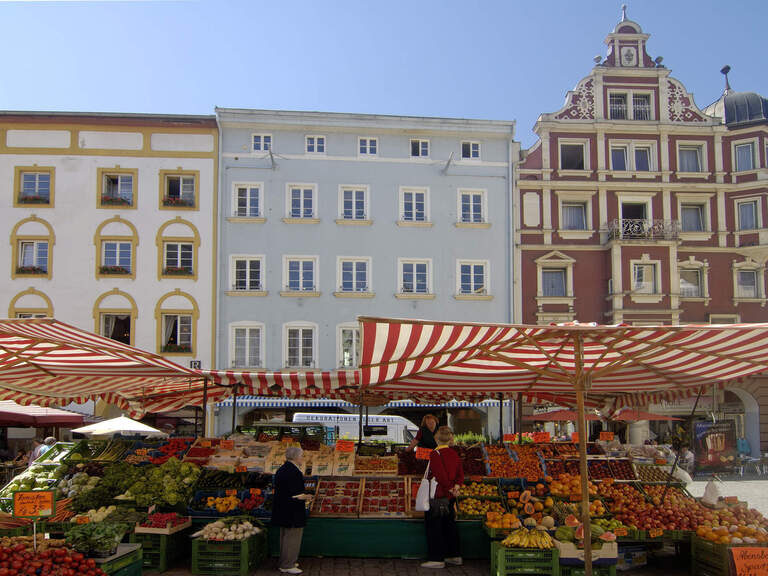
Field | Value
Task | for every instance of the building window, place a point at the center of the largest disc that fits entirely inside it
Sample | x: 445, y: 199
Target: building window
x: 179, y: 190
x: 470, y: 150
x: 368, y: 146
x: 618, y: 106
x: 262, y: 142
x: 745, y: 157
x: 354, y: 276
x: 553, y: 283
x: 473, y: 278
x: 349, y: 346
x: 35, y: 186
x: 32, y: 258
x: 632, y: 156
x: 247, y: 273
x: 619, y: 158
x: 574, y: 216
x: 301, y: 202
x: 178, y: 259
x: 177, y: 333
x: 472, y: 206
x: 30, y: 315
x: 419, y: 148
x: 246, y: 346
x: 116, y: 327
x: 300, y: 275
x: 415, y: 277
x: 353, y: 203
x: 116, y: 258
x: 619, y: 109
x: 413, y: 204
x: 692, y: 217
x: 691, y: 284
x: 644, y: 279
x: 747, y: 215
x: 315, y: 144
x: 246, y: 202
x: 690, y: 159
x: 300, y: 347
x: 747, y: 284
x: 117, y: 189
x: 572, y: 157
x: 30, y: 303
x: 641, y: 107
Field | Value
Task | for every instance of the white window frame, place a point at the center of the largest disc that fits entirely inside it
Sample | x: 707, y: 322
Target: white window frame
x: 704, y: 200
x: 250, y: 185
x: 119, y: 243
x: 315, y: 352
x: 754, y: 143
x: 483, y: 205
x: 573, y: 197
x: 121, y: 177
x: 356, y: 341
x: 758, y: 202
x: 646, y: 297
x: 303, y: 186
x: 472, y: 157
x: 367, y: 196
x: 262, y: 146
x: 315, y: 143
x: 486, y: 277
x: 703, y: 158
x: 179, y: 315
x: 584, y: 143
x: 636, y: 198
x: 401, y: 216
x: 630, y: 146
x: 430, y: 276
x: 339, y: 274
x: 550, y: 261
x: 718, y: 318
x: 37, y: 174
x: 367, y: 153
x: 35, y: 256
x: 315, y: 273
x: 749, y: 265
x: 703, y: 269
x: 421, y: 141
x: 630, y: 104
x: 233, y: 258
x: 177, y: 264
x: 181, y: 177
x: 233, y: 326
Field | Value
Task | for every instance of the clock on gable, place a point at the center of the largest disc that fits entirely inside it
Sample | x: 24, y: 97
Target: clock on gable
x: 629, y: 56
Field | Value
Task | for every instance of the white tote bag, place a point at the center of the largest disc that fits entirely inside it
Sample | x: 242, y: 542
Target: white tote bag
x: 426, y: 492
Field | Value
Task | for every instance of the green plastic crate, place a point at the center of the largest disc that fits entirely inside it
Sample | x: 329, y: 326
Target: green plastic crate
x: 581, y: 571
x: 134, y: 569
x: 495, y: 533
x: 233, y: 557
x: 113, y: 567
x: 507, y: 561
x: 161, y: 550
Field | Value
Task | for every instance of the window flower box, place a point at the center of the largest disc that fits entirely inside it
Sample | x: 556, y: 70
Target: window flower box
x: 31, y: 270
x: 178, y: 202
x: 113, y: 270
x: 29, y: 199
x: 177, y: 271
x: 115, y: 201
x: 177, y: 348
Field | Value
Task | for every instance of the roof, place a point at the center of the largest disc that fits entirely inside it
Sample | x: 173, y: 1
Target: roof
x: 13, y: 414
x: 740, y: 108
x: 108, y: 118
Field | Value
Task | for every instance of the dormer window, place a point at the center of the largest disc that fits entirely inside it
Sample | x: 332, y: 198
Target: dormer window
x: 629, y: 106
x: 618, y: 106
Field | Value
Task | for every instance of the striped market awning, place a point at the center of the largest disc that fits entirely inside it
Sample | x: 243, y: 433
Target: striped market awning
x: 266, y: 402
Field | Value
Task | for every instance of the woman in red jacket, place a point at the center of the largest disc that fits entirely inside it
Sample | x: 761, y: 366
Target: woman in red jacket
x: 440, y: 520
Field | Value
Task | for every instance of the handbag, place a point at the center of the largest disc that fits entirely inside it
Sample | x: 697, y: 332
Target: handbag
x: 426, y: 492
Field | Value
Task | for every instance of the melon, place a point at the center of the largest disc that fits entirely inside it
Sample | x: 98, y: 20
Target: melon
x: 571, y: 521
x: 516, y: 525
x: 548, y: 522
x: 529, y: 523
x: 608, y: 537
x: 579, y: 534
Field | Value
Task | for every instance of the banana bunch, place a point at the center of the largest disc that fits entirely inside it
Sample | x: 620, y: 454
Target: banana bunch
x: 524, y: 538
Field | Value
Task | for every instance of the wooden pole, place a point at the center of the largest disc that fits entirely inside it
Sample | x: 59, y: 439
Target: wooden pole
x: 501, y: 418
x: 519, y: 418
x: 234, y: 408
x: 583, y: 470
x: 205, y: 405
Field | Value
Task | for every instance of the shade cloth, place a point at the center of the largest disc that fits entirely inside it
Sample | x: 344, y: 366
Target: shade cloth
x: 557, y: 416
x: 13, y: 414
x: 119, y: 425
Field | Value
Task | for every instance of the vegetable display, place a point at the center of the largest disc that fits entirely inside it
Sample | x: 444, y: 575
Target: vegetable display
x: 169, y: 484
x: 96, y: 539
x: 228, y: 529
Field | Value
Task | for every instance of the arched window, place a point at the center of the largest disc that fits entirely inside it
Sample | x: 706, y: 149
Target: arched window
x: 32, y: 241
x: 116, y: 240
x: 176, y: 315
x: 30, y: 303
x: 177, y: 243
x: 114, y: 316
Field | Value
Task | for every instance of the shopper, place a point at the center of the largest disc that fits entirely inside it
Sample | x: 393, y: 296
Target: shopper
x: 686, y: 459
x: 440, y: 520
x: 425, y: 437
x: 288, y: 509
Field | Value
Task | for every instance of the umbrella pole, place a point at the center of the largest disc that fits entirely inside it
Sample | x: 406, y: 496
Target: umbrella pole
x: 582, y: 429
x: 205, y: 405
x: 501, y: 418
x: 519, y: 418
x: 234, y: 407
x: 360, y: 424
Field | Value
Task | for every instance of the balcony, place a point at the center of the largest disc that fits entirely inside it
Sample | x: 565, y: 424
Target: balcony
x: 626, y: 229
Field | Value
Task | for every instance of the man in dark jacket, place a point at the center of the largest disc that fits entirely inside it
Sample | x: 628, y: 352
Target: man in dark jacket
x: 288, y: 509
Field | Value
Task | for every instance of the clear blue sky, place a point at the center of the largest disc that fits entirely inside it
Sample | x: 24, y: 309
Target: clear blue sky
x: 500, y: 59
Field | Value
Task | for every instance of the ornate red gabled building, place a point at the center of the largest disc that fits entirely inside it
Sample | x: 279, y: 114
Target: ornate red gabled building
x: 637, y: 206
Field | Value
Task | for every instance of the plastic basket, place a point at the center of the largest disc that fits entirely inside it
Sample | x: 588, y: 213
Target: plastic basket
x: 234, y: 557
x: 506, y: 561
x: 161, y: 550
x: 55, y: 453
x: 121, y: 562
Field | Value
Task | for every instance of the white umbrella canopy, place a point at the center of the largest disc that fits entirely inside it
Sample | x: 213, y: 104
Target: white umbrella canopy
x: 119, y: 425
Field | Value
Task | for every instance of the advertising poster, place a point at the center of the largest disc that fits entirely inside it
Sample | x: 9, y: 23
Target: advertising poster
x: 715, y: 444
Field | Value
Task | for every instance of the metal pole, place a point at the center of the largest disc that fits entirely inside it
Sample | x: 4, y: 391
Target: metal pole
x: 501, y: 418
x: 677, y: 456
x: 582, y: 429
x: 519, y: 419
x: 234, y: 407
x: 360, y: 424
x: 205, y: 404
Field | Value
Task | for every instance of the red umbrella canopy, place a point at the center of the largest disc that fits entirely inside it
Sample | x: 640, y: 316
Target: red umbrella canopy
x: 558, y: 416
x: 629, y: 415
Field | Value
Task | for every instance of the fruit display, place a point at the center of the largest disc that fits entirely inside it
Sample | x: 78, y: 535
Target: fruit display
x: 569, y: 486
x: 382, y: 465
x: 621, y: 498
x: 598, y: 469
x: 574, y: 532
x: 649, y: 473
x: 622, y: 470
x: 337, y: 498
x: 383, y: 497
x: 158, y: 452
x: 479, y: 489
x: 228, y: 529
x: 609, y: 525
x: 233, y: 502
x: 548, y: 450
x: 51, y: 558
x: 528, y: 464
x: 169, y: 520
x: 735, y: 534
x: 475, y: 507
x: 526, y: 504
x: 503, y: 521
x: 409, y: 465
x: 596, y: 508
x: 471, y: 460
x: 525, y: 538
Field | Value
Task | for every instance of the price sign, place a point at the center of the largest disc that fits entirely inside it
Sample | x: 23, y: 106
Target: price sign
x: 475, y: 478
x: 287, y: 440
x: 82, y: 520
x: 749, y: 561
x: 423, y: 453
x: 141, y: 452
x: 575, y: 497
x: 655, y: 532
x: 152, y: 509
x: 621, y: 531
x: 231, y: 492
x: 345, y: 446
x: 606, y: 436
x: 227, y: 444
x: 34, y: 504
x: 575, y: 437
x: 241, y: 469
x: 541, y: 437
x: 205, y: 443
x: 510, y: 437
x: 255, y: 491
x: 731, y: 499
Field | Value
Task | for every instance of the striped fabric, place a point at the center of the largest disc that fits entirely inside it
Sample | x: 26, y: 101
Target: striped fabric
x: 636, y: 364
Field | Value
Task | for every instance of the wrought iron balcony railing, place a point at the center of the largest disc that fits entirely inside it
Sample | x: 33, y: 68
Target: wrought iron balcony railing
x: 626, y: 229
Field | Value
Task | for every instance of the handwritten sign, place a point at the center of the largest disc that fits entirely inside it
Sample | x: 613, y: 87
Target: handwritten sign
x: 423, y: 453
x: 227, y: 444
x: 749, y: 561
x: 345, y: 446
x: 34, y: 504
x: 606, y: 436
x: 231, y: 492
x: 205, y: 443
x: 241, y: 469
x: 256, y: 491
x: 655, y: 532
x: 510, y: 437
x: 287, y: 439
x: 141, y: 452
x: 575, y: 437
x: 82, y: 520
x: 621, y: 531
x: 541, y: 437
